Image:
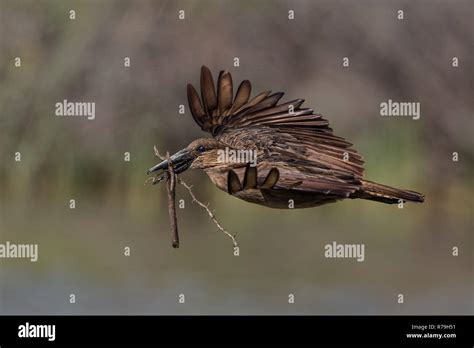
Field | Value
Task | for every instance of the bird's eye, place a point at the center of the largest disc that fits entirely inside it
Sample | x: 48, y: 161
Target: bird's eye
x: 201, y: 149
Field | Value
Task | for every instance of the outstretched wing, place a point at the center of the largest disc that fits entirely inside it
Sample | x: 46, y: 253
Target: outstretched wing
x: 287, y: 129
x: 220, y: 111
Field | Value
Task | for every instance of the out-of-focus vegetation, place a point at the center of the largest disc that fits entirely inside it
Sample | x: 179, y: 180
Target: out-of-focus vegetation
x: 408, y: 250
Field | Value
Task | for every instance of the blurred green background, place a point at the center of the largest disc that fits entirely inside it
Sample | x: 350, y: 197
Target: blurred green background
x: 81, y: 251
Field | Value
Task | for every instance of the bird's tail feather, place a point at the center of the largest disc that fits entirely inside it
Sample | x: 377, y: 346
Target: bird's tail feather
x: 386, y: 194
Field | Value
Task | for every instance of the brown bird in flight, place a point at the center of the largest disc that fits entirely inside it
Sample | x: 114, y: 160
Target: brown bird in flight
x: 298, y: 157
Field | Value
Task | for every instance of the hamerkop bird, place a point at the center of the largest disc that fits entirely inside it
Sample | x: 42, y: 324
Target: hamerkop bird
x: 298, y: 157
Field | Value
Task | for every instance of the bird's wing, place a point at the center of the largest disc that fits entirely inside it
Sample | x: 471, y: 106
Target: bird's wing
x: 280, y: 175
x: 302, y: 166
x: 233, y: 119
x: 216, y: 111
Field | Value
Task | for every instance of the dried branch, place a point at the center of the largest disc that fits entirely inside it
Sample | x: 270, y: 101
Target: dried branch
x: 157, y: 153
x: 170, y: 186
x: 211, y: 215
x: 171, y: 201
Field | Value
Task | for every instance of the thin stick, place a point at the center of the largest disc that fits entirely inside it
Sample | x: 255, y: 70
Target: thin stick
x: 170, y: 186
x: 157, y: 153
x: 195, y: 200
x: 211, y: 215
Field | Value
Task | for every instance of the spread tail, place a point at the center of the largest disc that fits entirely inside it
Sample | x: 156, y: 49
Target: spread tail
x: 386, y: 194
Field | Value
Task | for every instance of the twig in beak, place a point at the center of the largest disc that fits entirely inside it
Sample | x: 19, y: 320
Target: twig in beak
x: 170, y: 186
x: 157, y: 153
x: 171, y: 181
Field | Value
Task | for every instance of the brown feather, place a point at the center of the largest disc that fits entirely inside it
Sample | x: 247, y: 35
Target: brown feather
x: 250, y: 177
x: 233, y: 182
x: 271, y: 179
x: 195, y: 105
x: 255, y: 100
x: 208, y: 91
x: 242, y: 96
x: 282, y: 108
x: 386, y: 194
x: 224, y: 93
x: 269, y: 101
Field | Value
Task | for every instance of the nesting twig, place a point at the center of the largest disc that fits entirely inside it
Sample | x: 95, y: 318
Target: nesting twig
x: 171, y: 184
x: 211, y: 215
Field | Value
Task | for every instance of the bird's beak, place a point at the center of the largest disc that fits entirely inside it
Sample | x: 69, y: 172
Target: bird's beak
x: 180, y: 161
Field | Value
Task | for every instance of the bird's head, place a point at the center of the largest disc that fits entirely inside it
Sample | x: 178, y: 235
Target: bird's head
x: 198, y: 154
